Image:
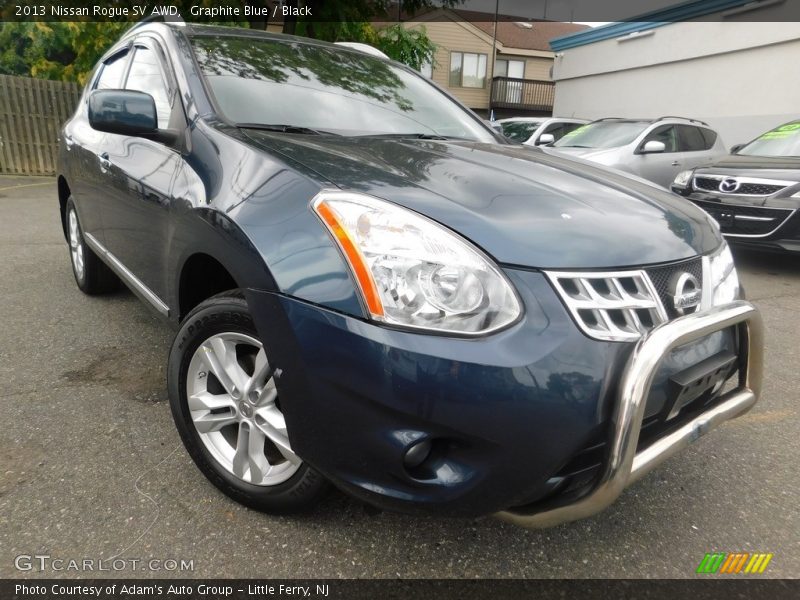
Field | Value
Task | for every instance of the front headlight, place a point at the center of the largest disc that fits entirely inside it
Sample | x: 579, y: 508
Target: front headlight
x: 682, y: 179
x: 413, y: 272
x: 722, y: 275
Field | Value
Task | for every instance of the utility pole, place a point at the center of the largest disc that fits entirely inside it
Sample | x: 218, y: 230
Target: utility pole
x: 494, y: 56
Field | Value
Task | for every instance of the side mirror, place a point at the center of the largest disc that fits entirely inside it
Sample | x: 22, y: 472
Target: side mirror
x: 546, y: 139
x: 653, y: 147
x: 737, y: 147
x: 125, y: 112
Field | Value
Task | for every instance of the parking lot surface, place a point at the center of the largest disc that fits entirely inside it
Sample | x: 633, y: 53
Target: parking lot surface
x: 91, y: 466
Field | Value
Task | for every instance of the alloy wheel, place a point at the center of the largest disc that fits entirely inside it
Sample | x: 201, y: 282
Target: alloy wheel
x: 234, y: 406
x: 76, y: 245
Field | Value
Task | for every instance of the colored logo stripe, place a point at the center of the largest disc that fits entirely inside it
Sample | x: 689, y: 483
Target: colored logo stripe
x: 735, y: 562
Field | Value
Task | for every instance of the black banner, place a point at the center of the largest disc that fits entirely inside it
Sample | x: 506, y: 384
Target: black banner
x: 277, y: 11
x: 401, y: 589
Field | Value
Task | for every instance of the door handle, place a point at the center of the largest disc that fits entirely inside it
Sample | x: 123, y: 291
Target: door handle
x: 105, y: 163
x: 675, y: 163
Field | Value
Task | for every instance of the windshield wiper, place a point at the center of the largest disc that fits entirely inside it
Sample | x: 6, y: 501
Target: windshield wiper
x: 284, y: 128
x: 417, y: 136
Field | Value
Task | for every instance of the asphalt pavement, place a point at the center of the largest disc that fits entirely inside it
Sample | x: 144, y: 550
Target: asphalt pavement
x: 91, y: 466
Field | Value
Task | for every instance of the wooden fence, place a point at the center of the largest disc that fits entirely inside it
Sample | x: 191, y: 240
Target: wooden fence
x: 32, y: 112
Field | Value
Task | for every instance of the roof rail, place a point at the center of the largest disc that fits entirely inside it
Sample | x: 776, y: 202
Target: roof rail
x: 158, y: 18
x: 614, y: 119
x: 365, y: 48
x: 683, y: 118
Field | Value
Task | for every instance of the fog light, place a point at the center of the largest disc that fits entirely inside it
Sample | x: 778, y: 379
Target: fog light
x: 417, y: 454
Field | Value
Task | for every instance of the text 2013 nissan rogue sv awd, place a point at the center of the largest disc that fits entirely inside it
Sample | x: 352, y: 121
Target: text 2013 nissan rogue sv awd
x: 373, y: 289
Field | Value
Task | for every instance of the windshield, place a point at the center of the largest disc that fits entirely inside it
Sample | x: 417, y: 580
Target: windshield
x: 261, y: 81
x: 519, y: 131
x: 602, y: 134
x: 781, y: 141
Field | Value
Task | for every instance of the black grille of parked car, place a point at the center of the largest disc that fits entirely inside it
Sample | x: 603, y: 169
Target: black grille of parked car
x: 735, y: 219
x: 662, y: 276
x: 712, y: 184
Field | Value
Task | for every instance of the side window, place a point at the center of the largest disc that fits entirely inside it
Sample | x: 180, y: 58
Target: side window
x: 559, y: 130
x: 145, y: 75
x: 570, y: 127
x: 666, y: 134
x: 111, y: 74
x: 690, y: 139
x: 709, y: 137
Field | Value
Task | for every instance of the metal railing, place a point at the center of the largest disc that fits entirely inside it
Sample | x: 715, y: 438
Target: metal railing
x: 527, y: 94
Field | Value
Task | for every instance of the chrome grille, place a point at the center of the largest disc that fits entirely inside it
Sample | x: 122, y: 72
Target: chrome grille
x: 745, y: 186
x: 616, y: 306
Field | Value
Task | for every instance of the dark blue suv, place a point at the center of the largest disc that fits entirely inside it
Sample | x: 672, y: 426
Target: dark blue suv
x: 373, y: 289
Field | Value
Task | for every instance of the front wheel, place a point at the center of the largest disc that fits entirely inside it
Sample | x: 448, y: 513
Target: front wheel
x: 228, y: 413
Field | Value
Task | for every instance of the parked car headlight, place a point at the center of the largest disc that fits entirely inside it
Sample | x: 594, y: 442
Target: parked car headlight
x: 413, y: 272
x: 723, y: 276
x: 682, y: 179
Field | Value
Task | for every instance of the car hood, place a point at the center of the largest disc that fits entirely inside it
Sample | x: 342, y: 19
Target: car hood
x: 604, y: 156
x: 785, y: 168
x: 521, y: 206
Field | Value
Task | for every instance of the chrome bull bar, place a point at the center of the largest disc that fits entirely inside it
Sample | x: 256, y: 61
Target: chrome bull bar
x: 624, y: 465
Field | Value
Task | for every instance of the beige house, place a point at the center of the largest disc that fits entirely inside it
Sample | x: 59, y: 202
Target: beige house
x: 520, y: 80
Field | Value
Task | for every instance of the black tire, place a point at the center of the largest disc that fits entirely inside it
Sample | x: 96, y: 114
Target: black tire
x: 91, y: 274
x: 227, y: 314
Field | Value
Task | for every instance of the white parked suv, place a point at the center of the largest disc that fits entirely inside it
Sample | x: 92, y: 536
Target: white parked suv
x: 537, y: 131
x: 656, y: 149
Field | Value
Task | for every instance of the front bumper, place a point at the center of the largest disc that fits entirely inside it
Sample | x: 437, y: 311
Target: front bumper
x: 508, y: 412
x: 624, y: 464
x: 765, y: 223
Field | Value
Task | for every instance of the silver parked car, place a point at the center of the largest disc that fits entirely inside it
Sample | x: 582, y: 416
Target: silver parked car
x: 535, y: 131
x: 656, y: 149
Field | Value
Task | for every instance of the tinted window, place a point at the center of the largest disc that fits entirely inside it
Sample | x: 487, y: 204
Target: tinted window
x: 781, y: 141
x: 519, y: 131
x: 559, y: 130
x: 146, y: 76
x: 263, y: 81
x: 570, y: 127
x: 709, y: 136
x: 690, y: 139
x: 111, y: 74
x: 602, y: 134
x: 666, y: 134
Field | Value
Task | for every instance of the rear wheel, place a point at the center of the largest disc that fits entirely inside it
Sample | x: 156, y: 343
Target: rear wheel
x: 228, y: 413
x: 91, y: 274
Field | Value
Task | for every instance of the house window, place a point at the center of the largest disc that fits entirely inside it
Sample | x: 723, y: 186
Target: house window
x: 510, y: 68
x: 467, y: 69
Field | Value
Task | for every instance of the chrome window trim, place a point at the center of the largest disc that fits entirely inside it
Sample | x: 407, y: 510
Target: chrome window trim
x: 126, y: 275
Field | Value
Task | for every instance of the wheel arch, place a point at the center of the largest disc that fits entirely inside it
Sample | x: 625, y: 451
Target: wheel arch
x: 201, y: 277
x: 63, y: 195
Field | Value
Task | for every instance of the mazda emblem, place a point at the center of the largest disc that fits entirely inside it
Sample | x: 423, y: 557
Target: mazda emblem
x: 729, y: 185
x: 686, y: 293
